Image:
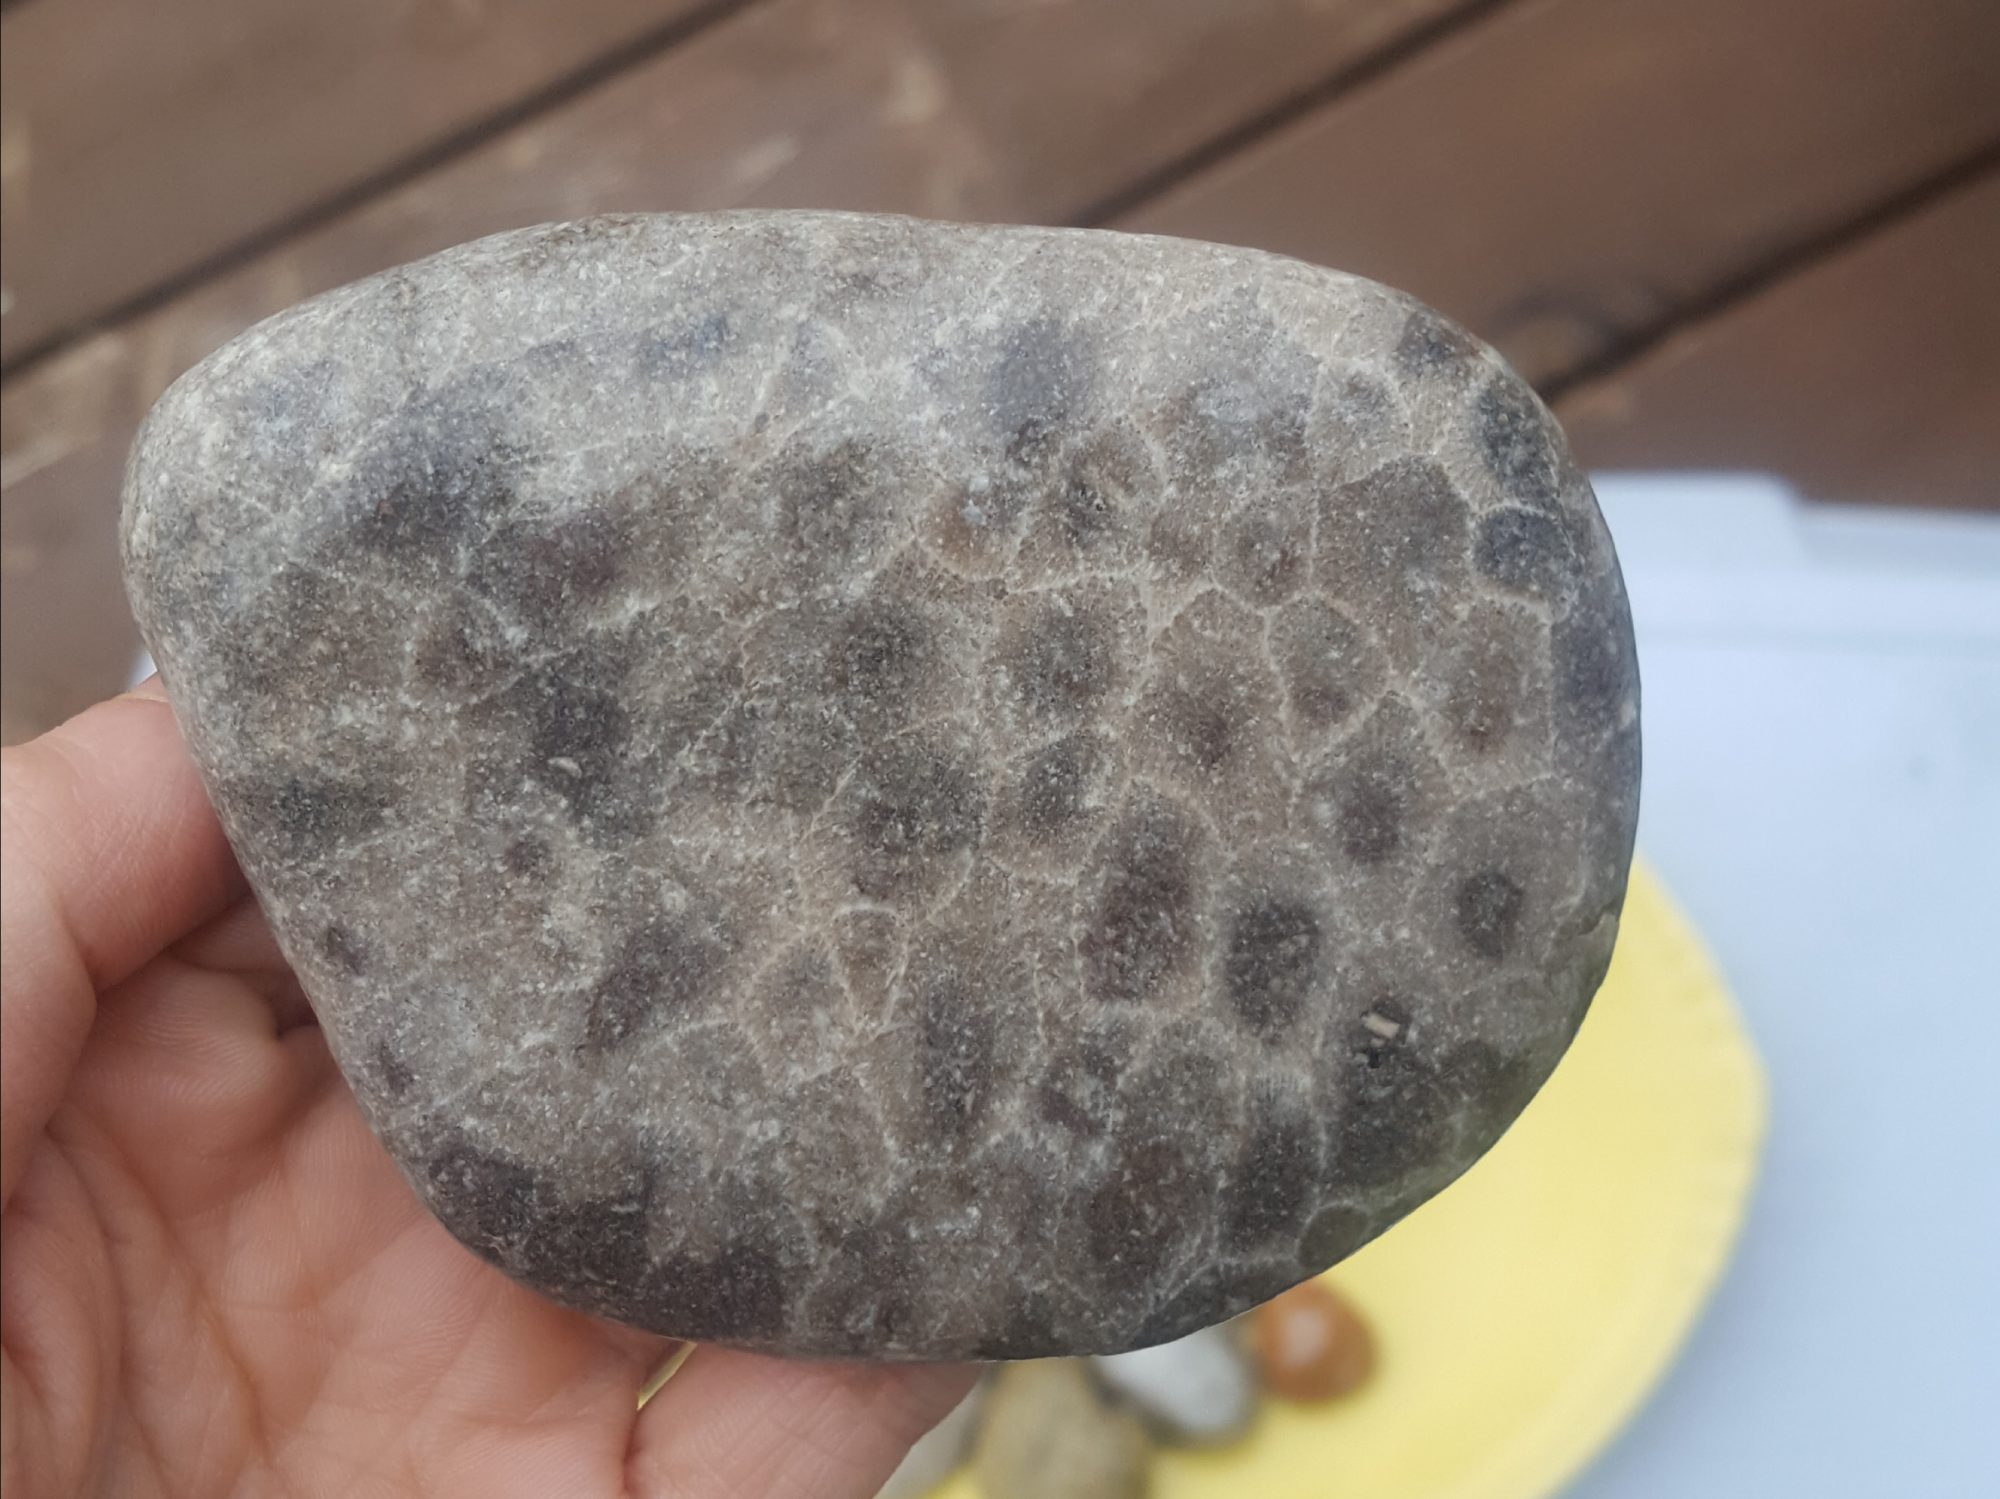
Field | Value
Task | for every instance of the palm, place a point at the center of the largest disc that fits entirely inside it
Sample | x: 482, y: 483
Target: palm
x: 233, y: 1286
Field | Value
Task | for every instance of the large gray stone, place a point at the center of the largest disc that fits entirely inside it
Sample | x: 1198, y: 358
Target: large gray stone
x: 861, y: 787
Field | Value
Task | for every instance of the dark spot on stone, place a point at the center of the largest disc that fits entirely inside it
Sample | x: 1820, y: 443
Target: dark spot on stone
x: 1273, y: 958
x: 1487, y: 908
x: 295, y: 635
x: 1488, y: 690
x: 664, y: 966
x: 1524, y: 550
x: 1142, y: 929
x: 957, y: 1059
x: 1102, y: 1061
x: 1177, y: 546
x: 694, y: 701
x: 1139, y: 1212
x: 543, y: 571
x: 688, y: 350
x: 1393, y: 1118
x: 1334, y: 1233
x: 1322, y: 700
x: 1089, y: 499
x: 484, y: 1199
x: 736, y: 1295
x: 1402, y: 1107
x: 788, y: 752
x: 1065, y: 662
x: 867, y: 1288
x: 1085, y: 509
x: 528, y: 858
x: 1431, y: 344
x: 1269, y: 559
x: 393, y: 1072
x: 917, y: 802
x: 1373, y: 806
x: 1518, y: 442
x: 1037, y: 386
x: 596, y: 1250
x: 1328, y: 664
x: 1056, y: 1106
x: 423, y: 516
x: 451, y: 655
x: 445, y: 474
x: 1594, y: 664
x: 831, y: 505
x: 314, y: 815
x: 1402, y: 525
x: 1055, y: 784
x: 578, y: 732
x: 1273, y: 1180
x: 880, y: 656
x: 342, y: 948
x: 974, y: 527
x: 1200, y: 729
x: 800, y: 987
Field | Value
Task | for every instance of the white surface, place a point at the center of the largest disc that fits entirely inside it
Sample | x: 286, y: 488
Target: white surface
x: 1822, y: 794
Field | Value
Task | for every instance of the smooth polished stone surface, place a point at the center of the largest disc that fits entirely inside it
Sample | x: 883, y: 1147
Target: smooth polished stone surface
x: 860, y: 787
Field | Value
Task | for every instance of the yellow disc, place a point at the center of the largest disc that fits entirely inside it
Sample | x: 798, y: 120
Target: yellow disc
x: 1522, y: 1315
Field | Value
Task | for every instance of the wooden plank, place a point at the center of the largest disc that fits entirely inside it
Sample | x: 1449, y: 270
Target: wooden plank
x: 1568, y: 172
x: 968, y: 109
x: 1872, y: 375
x: 142, y: 138
x: 66, y: 636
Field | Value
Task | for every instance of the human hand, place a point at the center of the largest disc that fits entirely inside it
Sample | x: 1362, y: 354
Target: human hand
x: 212, y: 1278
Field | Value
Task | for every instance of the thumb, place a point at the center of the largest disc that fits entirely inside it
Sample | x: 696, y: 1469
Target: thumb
x: 109, y: 851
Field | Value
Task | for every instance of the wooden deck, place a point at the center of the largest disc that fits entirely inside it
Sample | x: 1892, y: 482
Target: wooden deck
x: 1735, y: 233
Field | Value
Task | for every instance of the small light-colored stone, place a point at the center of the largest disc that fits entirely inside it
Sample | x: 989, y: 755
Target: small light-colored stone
x: 937, y: 1451
x: 1196, y: 1389
x: 867, y: 788
x: 1049, y: 1434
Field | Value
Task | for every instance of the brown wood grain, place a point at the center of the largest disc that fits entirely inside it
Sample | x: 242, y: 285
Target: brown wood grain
x: 993, y: 109
x: 1568, y: 172
x: 806, y: 103
x: 142, y: 137
x: 1872, y: 375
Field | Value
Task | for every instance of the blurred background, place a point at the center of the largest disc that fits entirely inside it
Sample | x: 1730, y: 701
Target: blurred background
x: 1752, y: 245
x: 1743, y: 234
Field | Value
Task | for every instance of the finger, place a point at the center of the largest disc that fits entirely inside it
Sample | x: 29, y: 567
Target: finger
x: 111, y: 852
x: 735, y: 1425
x: 239, y: 943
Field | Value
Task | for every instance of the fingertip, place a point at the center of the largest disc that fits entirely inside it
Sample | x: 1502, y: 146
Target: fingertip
x: 108, y: 813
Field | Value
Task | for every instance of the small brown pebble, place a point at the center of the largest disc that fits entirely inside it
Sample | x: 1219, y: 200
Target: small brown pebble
x: 1311, y: 1344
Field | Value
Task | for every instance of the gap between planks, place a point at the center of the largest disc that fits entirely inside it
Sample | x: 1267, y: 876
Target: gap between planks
x: 1802, y: 255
